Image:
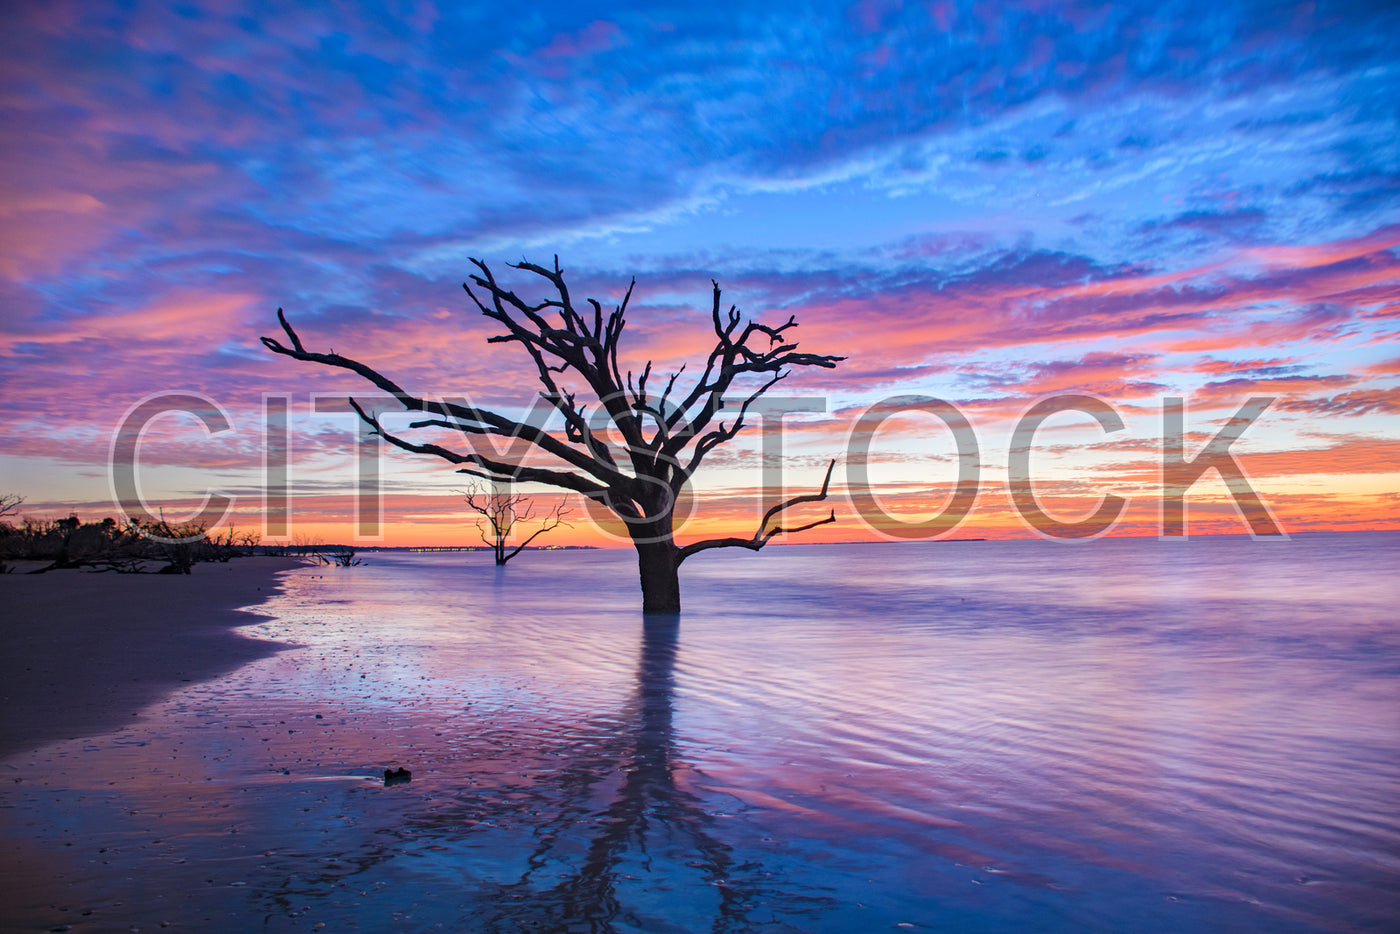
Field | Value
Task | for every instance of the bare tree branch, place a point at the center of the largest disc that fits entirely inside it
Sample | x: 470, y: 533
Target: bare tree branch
x: 502, y: 513
x: 466, y: 419
x: 497, y: 470
x: 10, y: 503
x: 764, y: 534
x: 621, y: 444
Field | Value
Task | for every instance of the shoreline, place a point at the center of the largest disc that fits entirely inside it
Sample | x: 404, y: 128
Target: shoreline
x: 83, y: 653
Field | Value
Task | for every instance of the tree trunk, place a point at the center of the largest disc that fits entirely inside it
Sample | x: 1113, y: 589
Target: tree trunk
x: 659, y: 566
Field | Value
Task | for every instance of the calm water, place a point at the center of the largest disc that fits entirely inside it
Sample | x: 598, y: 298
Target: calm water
x: 972, y: 737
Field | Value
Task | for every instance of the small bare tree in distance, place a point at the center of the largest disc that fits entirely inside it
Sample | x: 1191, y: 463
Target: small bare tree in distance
x: 9, y: 504
x: 664, y: 435
x: 504, y: 513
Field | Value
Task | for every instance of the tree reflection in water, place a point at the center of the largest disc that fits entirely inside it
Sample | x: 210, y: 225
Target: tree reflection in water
x: 609, y: 840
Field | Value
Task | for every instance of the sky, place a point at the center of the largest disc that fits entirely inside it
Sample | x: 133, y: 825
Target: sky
x: 983, y: 203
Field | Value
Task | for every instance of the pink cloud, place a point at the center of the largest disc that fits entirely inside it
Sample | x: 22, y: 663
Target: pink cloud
x: 597, y: 36
x: 1357, y: 402
x: 1385, y: 368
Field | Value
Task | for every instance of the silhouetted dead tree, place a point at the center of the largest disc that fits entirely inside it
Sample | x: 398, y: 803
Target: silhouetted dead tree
x: 340, y: 556
x: 664, y: 436
x: 503, y: 514
x: 9, y: 504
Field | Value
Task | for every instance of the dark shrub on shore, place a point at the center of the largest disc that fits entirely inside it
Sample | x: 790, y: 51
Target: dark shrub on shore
x: 132, y: 547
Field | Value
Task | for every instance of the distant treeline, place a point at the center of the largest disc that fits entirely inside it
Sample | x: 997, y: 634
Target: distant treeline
x: 124, y: 547
x: 480, y: 548
x: 162, y: 547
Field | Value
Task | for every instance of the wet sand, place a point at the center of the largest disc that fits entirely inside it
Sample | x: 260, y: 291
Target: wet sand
x: 82, y: 653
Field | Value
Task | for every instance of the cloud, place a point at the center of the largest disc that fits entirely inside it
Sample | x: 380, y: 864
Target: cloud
x: 1385, y: 367
x: 598, y: 36
x: 1029, y: 199
x: 1357, y: 402
x: 1107, y: 374
x: 1268, y: 367
x: 1237, y: 224
x: 1241, y: 386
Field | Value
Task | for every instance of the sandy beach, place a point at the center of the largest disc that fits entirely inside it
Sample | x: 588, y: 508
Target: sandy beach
x: 82, y: 653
